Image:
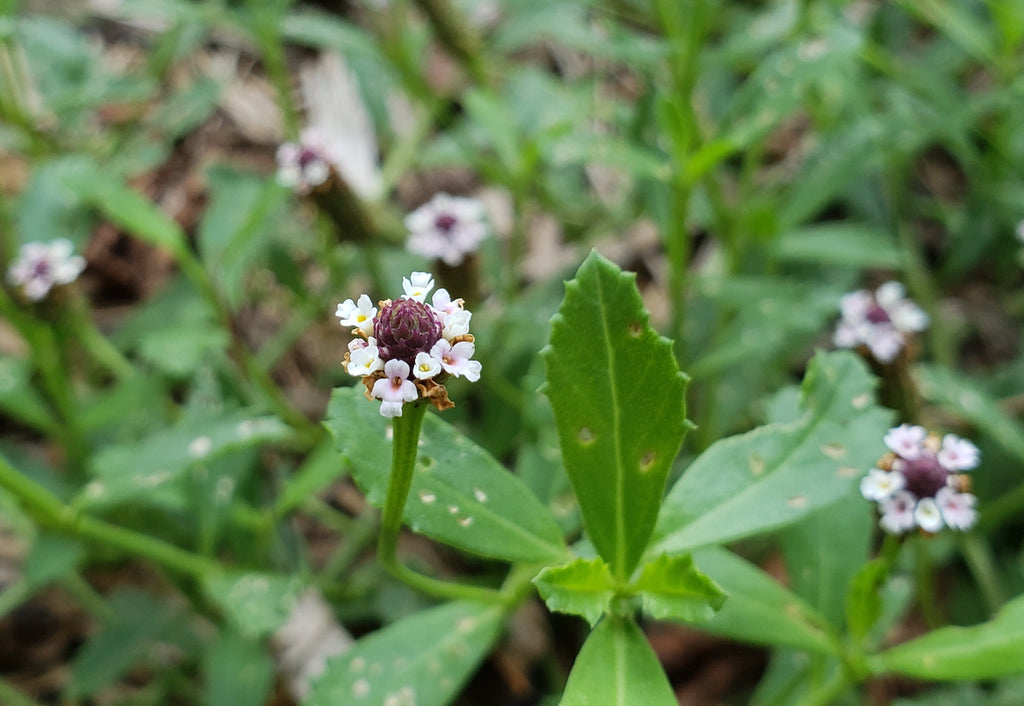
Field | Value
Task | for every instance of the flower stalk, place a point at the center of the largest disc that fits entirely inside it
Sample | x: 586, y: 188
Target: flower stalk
x: 406, y: 435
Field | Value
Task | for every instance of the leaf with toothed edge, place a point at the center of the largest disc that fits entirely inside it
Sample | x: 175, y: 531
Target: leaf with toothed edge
x: 460, y: 494
x: 583, y: 587
x: 778, y: 473
x: 618, y: 398
x: 423, y: 659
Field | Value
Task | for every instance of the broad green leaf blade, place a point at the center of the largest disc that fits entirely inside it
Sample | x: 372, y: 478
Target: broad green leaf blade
x: 758, y: 608
x: 255, y: 604
x: 583, y: 587
x: 422, y: 660
x: 618, y: 399
x: 238, y: 670
x: 52, y: 557
x: 824, y: 550
x: 843, y: 244
x: 673, y: 587
x: 778, y: 473
x: 987, y: 651
x: 460, y: 494
x: 137, y: 621
x: 19, y: 399
x: 617, y: 667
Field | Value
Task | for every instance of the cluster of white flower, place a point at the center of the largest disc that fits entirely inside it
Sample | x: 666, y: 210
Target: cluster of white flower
x: 305, y: 165
x: 407, y: 348
x: 40, y: 267
x: 447, y: 228
x: 880, y: 320
x: 921, y: 484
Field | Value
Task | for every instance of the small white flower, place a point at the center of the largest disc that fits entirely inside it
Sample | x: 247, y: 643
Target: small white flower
x: 359, y: 315
x: 456, y: 359
x: 442, y: 301
x: 906, y: 440
x: 898, y: 512
x: 958, y: 454
x: 456, y: 323
x: 881, y: 485
x: 957, y: 508
x: 40, y: 267
x: 447, y: 228
x: 426, y: 366
x: 927, y: 515
x: 364, y: 361
x: 395, y: 389
x: 306, y: 164
x: 418, y: 285
x: 880, y: 320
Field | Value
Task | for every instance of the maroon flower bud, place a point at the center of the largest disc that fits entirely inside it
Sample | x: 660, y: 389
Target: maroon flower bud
x: 404, y: 328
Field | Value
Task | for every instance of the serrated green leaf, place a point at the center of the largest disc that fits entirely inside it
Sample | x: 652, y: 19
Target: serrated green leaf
x: 618, y: 399
x: 987, y: 651
x: 422, y: 660
x: 758, y: 608
x: 616, y: 667
x: 460, y: 494
x: 583, y: 587
x: 255, y: 604
x: 673, y: 587
x: 130, y: 470
x: 137, y: 621
x: 778, y: 473
x: 237, y: 670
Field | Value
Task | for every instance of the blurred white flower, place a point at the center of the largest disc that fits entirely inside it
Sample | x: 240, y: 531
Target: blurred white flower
x: 306, y: 164
x: 40, y: 267
x: 880, y: 320
x: 447, y: 228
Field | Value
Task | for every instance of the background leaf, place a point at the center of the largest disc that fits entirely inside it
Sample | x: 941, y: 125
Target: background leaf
x: 758, y: 608
x: 617, y: 667
x: 618, y: 399
x: 460, y: 494
x: 583, y: 587
x: 255, y: 603
x: 423, y: 659
x: 238, y: 671
x: 777, y: 473
x: 986, y: 651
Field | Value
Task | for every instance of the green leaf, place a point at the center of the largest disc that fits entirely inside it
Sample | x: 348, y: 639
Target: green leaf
x: 583, y: 587
x: 842, y: 244
x: 778, y: 473
x: 137, y: 621
x: 987, y: 651
x: 237, y: 225
x: 255, y: 603
x: 673, y: 587
x: 52, y: 557
x: 617, y: 667
x: 138, y: 469
x: 238, y: 670
x: 18, y: 399
x: 319, y: 469
x: 618, y: 399
x: 824, y: 550
x: 460, y: 494
x: 759, y: 609
x: 423, y: 659
x: 958, y: 395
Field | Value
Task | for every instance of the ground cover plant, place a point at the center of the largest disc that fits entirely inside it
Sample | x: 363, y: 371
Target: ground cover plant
x: 590, y: 352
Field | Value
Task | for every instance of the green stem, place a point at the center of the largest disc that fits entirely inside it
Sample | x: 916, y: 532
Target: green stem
x: 101, y: 349
x: 924, y: 570
x: 978, y: 555
x: 48, y: 510
x: 406, y: 435
x: 457, y: 36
